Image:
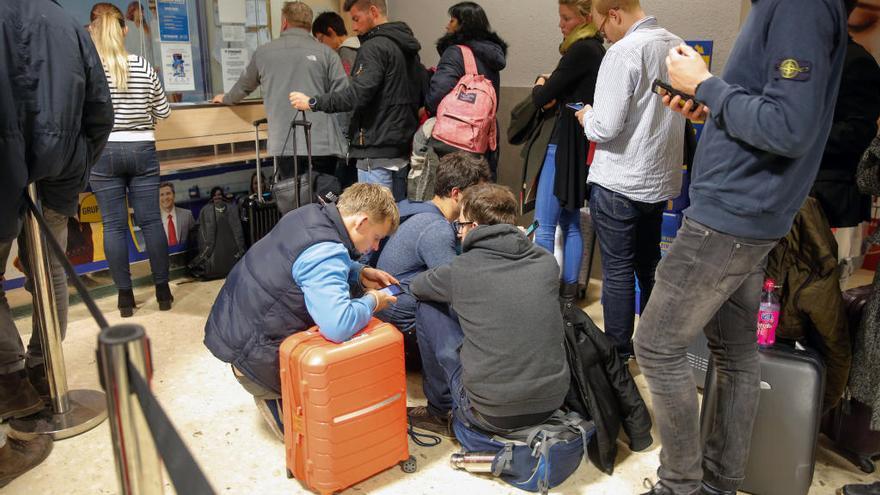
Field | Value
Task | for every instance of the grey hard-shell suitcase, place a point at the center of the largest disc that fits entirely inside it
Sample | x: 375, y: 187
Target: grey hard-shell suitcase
x: 783, y: 449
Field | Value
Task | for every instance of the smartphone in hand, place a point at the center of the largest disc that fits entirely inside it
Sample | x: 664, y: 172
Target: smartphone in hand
x: 661, y: 88
x: 392, y: 290
x: 577, y: 107
x: 532, y: 228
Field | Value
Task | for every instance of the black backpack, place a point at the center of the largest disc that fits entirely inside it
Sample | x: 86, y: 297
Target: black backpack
x: 220, y: 240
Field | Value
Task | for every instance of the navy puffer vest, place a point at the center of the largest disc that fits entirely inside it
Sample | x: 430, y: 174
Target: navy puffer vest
x: 260, y: 304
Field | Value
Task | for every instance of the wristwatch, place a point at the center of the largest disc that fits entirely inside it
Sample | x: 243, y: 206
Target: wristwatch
x: 313, y: 102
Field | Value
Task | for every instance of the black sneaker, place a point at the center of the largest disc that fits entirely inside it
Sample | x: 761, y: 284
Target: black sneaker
x: 420, y: 418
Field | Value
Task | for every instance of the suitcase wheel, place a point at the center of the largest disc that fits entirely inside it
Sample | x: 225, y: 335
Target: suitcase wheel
x: 289, y: 474
x: 866, y: 465
x: 409, y: 466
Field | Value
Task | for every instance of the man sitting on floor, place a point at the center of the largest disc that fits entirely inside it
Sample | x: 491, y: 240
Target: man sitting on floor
x: 491, y: 323
x: 301, y: 275
x: 426, y: 238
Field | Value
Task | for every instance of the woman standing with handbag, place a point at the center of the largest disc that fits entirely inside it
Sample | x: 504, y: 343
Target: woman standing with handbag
x: 562, y: 182
x: 127, y: 174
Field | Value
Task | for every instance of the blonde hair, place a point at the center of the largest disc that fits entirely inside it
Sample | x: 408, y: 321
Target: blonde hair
x: 108, y: 33
x: 603, y: 6
x: 582, y: 7
x: 374, y: 200
x: 298, y: 14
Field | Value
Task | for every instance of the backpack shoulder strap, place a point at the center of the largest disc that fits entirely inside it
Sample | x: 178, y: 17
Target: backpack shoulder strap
x: 470, y: 63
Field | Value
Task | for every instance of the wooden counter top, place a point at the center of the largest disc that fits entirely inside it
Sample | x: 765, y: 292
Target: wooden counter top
x: 191, y: 126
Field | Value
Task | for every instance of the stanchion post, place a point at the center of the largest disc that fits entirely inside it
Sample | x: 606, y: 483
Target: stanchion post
x: 73, y: 412
x: 138, y: 466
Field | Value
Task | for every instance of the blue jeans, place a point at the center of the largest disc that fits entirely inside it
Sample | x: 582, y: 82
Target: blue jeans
x: 375, y: 171
x: 130, y: 171
x: 708, y: 282
x: 549, y: 213
x: 440, y: 337
x: 629, y: 239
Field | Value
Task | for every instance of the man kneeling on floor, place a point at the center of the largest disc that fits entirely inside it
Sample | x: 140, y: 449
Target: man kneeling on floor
x: 426, y: 238
x: 491, y: 323
x: 301, y: 275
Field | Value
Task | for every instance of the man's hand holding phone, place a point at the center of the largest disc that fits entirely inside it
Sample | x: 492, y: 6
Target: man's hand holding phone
x: 687, y: 70
x: 383, y: 299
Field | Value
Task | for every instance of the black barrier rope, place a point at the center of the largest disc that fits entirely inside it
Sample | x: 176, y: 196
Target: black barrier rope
x: 186, y: 475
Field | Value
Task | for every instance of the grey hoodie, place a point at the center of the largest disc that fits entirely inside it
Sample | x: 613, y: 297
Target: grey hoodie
x: 504, y: 289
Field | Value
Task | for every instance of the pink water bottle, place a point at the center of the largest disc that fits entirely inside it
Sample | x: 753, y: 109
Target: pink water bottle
x: 768, y: 314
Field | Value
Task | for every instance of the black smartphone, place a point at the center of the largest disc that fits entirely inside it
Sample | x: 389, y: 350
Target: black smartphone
x: 392, y: 290
x: 577, y: 107
x: 661, y: 88
x: 532, y: 228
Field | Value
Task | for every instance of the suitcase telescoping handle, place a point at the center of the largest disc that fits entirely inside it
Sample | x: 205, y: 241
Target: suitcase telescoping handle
x: 300, y: 120
x: 257, y: 124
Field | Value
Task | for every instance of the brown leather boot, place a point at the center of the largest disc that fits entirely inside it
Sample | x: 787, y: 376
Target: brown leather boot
x: 20, y: 456
x: 18, y: 398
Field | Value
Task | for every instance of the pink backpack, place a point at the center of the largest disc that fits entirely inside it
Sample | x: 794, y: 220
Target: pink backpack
x: 466, y: 116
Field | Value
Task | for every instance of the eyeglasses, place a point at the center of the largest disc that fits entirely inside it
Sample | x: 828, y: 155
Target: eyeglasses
x: 461, y: 225
x: 604, y: 21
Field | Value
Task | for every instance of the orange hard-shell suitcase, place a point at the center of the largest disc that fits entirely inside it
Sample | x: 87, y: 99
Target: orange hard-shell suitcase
x: 344, y: 407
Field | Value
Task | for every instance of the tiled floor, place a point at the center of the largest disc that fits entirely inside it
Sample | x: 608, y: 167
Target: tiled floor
x: 219, y: 423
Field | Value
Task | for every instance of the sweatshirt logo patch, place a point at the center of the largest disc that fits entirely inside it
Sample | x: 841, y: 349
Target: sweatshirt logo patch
x: 794, y: 70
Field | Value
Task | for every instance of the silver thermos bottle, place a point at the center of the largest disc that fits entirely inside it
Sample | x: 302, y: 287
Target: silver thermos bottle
x: 473, y: 462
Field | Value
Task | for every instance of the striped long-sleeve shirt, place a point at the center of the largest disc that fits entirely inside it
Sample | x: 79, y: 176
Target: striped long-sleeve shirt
x: 639, y: 142
x: 137, y: 109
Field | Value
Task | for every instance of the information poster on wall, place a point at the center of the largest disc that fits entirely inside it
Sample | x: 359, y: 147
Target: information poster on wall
x: 177, y: 67
x: 706, y: 49
x: 231, y: 11
x: 173, y: 20
x: 234, y: 62
x: 233, y: 33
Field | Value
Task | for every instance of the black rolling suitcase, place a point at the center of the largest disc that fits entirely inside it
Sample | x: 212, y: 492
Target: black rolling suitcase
x: 849, y: 424
x: 259, y: 214
x: 309, y: 187
x: 783, y: 448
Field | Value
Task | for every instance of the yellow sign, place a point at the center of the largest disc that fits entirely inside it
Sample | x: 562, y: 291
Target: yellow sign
x: 88, y: 208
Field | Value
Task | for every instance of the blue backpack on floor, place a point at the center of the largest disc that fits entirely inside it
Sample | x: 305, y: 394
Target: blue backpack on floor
x: 534, y: 459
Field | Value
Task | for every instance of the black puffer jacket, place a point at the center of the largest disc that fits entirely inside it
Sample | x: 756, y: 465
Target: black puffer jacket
x: 56, y: 109
x: 385, y: 93
x: 491, y: 57
x: 603, y: 391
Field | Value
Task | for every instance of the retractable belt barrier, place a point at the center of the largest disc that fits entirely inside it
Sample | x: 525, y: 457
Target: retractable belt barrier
x: 139, y: 428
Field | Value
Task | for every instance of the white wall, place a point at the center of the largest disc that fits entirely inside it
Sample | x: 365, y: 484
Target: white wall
x: 531, y: 28
x: 317, y: 5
